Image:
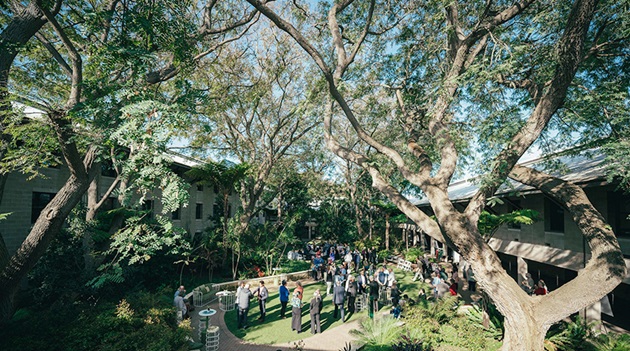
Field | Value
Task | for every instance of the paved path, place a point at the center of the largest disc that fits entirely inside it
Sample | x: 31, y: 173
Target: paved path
x: 330, y: 340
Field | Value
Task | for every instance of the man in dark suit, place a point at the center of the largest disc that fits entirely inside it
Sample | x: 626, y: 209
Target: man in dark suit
x: 339, y: 297
x: 316, y: 308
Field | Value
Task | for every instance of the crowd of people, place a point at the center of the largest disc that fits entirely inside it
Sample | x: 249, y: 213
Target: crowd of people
x: 350, y: 274
x: 347, y: 273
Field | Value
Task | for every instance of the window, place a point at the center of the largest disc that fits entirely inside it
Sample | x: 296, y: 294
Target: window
x: 199, y: 187
x: 199, y: 211
x: 554, y: 217
x: 176, y: 215
x: 40, y: 200
x: 619, y: 210
x: 513, y: 205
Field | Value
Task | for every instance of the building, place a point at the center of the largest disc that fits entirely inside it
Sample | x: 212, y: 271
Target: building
x: 25, y: 198
x: 553, y: 249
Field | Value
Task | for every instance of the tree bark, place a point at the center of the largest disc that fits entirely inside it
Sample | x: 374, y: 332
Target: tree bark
x: 26, y: 21
x: 19, y: 30
x: 44, y: 230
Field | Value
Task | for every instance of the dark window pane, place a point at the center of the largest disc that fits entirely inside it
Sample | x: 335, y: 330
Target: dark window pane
x: 554, y: 217
x: 40, y: 200
x: 199, y: 211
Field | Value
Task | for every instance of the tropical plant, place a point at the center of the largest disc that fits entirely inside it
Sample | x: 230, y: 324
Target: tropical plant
x: 408, y: 343
x: 491, y: 323
x: 570, y: 336
x: 489, y: 223
x: 612, y: 342
x: 378, y: 334
x: 412, y: 254
x: 383, y: 255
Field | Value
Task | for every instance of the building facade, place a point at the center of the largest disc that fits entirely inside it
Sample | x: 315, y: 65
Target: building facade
x: 25, y: 198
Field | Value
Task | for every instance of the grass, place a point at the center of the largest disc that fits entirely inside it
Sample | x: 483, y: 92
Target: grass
x: 275, y: 330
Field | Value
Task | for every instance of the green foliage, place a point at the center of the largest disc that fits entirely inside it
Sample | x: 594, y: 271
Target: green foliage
x: 272, y: 241
x: 383, y: 254
x: 489, y: 222
x: 492, y: 323
x: 60, y: 272
x: 612, y: 342
x: 335, y: 220
x: 146, y: 128
x: 141, y: 321
x: 295, y: 265
x: 378, y: 334
x: 138, y: 242
x: 368, y: 243
x: 438, y: 312
x: 413, y: 254
x: 570, y: 336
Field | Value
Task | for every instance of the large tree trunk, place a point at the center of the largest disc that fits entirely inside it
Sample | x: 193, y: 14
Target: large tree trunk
x: 26, y: 21
x: 44, y: 230
x: 529, y: 318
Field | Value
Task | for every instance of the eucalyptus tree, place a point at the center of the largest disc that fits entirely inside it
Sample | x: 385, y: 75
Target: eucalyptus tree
x: 499, y: 76
x: 81, y: 63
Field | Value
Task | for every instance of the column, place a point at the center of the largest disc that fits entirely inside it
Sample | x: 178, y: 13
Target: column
x: 521, y: 268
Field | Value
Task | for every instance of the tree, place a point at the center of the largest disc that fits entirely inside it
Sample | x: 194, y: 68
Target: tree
x: 447, y: 56
x: 268, y: 111
x: 87, y: 63
x: 387, y: 209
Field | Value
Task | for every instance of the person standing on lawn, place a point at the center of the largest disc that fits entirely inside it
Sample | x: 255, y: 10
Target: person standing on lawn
x: 374, y: 293
x: 262, y: 293
x: 317, y: 304
x: 339, y: 297
x: 284, y: 298
x: 296, y: 312
x: 243, y: 306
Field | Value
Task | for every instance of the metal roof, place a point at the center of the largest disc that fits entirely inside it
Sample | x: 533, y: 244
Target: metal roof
x: 581, y: 168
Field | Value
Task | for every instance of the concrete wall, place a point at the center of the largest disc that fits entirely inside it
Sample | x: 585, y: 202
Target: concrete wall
x: 18, y: 198
x: 571, y: 239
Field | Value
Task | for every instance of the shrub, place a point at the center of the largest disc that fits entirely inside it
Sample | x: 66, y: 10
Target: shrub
x: 142, y: 321
x: 612, y: 342
x: 571, y: 336
x: 378, y: 334
x: 383, y: 254
x: 413, y: 253
x: 493, y: 325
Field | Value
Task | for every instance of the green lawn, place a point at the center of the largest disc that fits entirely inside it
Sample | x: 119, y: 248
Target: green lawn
x: 275, y: 330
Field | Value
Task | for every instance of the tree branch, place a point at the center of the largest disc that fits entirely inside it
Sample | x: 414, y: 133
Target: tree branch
x: 570, y: 47
x: 606, y: 268
x: 75, y: 58
x: 55, y: 54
